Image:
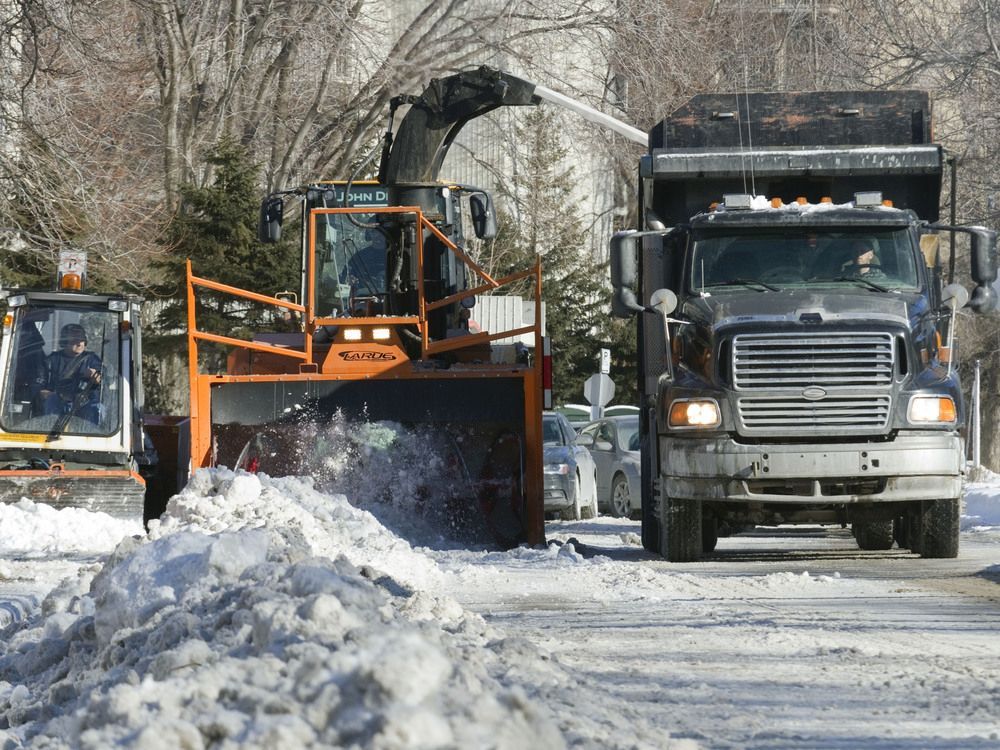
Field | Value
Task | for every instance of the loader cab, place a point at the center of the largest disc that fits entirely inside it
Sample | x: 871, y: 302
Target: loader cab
x: 67, y: 371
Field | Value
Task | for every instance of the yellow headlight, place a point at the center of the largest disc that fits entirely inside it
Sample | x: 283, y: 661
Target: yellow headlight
x: 695, y: 413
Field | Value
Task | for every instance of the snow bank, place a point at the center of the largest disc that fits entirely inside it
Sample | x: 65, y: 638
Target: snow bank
x: 36, y: 530
x: 262, y: 613
x: 981, y: 496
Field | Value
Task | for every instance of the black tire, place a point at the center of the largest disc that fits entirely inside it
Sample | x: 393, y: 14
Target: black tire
x: 619, y: 494
x: 709, y: 533
x: 680, y: 529
x: 651, y: 537
x: 874, y: 535
x: 941, y: 527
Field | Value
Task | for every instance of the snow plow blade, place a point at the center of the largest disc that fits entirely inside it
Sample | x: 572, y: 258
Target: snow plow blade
x: 449, y: 450
x: 118, y: 493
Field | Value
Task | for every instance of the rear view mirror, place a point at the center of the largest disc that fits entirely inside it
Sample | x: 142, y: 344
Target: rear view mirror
x: 585, y: 440
x: 484, y: 221
x: 272, y: 210
x: 625, y: 274
x: 984, y: 269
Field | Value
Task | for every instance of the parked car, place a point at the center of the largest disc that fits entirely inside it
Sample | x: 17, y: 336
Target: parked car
x: 569, y: 471
x: 614, y: 445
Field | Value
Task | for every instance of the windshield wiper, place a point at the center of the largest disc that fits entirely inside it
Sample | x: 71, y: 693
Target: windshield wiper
x: 752, y: 283
x: 863, y: 282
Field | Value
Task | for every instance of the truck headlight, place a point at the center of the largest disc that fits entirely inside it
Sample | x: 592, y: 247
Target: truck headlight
x: 556, y: 468
x: 695, y: 413
x: 931, y: 409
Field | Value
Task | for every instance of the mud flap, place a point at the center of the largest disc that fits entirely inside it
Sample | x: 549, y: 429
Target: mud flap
x: 460, y: 443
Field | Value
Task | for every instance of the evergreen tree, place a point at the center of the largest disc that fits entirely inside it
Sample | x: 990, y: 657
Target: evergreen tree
x: 541, y: 221
x: 216, y: 228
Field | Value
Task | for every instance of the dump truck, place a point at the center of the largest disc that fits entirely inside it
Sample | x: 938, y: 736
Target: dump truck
x: 71, y: 400
x: 795, y: 328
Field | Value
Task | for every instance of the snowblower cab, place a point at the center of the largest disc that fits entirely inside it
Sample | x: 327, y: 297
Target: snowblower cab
x: 379, y: 383
x: 70, y: 401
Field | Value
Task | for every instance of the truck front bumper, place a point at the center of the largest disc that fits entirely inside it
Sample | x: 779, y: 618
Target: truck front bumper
x: 924, y: 466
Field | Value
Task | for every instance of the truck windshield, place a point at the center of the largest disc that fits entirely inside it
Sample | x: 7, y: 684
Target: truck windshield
x: 63, y: 371
x: 860, y: 256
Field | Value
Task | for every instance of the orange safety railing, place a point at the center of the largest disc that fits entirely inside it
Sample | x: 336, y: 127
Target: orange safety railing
x: 311, y: 322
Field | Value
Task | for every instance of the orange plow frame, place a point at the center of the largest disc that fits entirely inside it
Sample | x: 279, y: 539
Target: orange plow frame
x: 382, y: 360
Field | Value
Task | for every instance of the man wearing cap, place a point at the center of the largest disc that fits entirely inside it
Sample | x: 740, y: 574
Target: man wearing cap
x: 73, y: 376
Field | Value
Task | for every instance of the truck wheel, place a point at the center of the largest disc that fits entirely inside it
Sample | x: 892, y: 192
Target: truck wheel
x: 680, y: 529
x: 620, y: 504
x: 874, y: 535
x: 709, y: 533
x: 651, y: 537
x: 941, y: 526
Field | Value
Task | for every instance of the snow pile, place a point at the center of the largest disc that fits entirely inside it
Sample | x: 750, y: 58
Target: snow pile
x: 36, y: 530
x: 251, y: 618
x: 981, y: 500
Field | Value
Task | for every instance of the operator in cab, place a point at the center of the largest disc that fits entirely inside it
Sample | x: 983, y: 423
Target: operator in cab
x: 73, y: 377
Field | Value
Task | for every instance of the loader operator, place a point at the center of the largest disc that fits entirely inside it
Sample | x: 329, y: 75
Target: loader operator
x: 73, y: 375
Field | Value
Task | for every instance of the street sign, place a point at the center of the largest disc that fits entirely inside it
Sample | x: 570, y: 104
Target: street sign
x: 598, y: 390
x: 605, y: 361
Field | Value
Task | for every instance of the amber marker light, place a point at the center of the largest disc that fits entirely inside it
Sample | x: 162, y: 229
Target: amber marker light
x: 925, y: 409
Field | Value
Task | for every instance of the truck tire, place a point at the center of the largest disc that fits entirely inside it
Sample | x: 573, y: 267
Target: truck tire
x: 874, y: 535
x: 941, y: 527
x: 651, y: 537
x: 680, y: 529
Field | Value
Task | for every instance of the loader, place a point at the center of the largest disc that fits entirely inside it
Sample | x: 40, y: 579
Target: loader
x: 376, y: 357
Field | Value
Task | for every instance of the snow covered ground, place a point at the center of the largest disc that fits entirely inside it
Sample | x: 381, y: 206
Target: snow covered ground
x: 267, y: 613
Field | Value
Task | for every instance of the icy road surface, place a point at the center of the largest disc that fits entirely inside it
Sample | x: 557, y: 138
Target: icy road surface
x: 265, y: 613
x: 783, y: 638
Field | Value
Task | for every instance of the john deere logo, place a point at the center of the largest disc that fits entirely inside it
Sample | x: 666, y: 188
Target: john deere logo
x: 367, y: 356
x: 813, y: 393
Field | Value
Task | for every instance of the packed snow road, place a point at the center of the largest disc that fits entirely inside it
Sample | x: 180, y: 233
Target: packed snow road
x: 265, y: 613
x: 783, y: 638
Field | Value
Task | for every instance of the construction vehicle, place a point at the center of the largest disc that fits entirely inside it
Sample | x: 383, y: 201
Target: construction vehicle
x: 71, y: 422
x: 794, y: 327
x: 378, y: 338
x: 385, y: 301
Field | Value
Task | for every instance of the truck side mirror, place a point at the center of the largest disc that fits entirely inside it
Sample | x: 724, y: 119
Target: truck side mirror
x: 984, y: 269
x: 624, y: 251
x: 484, y: 220
x: 272, y: 211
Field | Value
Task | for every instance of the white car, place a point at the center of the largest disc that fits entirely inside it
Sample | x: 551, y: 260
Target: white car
x: 569, y: 473
x: 614, y: 446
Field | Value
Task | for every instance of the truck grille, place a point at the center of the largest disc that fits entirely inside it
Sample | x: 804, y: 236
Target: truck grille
x: 855, y: 370
x: 797, y: 361
x: 800, y: 415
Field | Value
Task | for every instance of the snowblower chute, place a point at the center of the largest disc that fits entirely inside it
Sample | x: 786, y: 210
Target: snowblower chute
x: 380, y: 361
